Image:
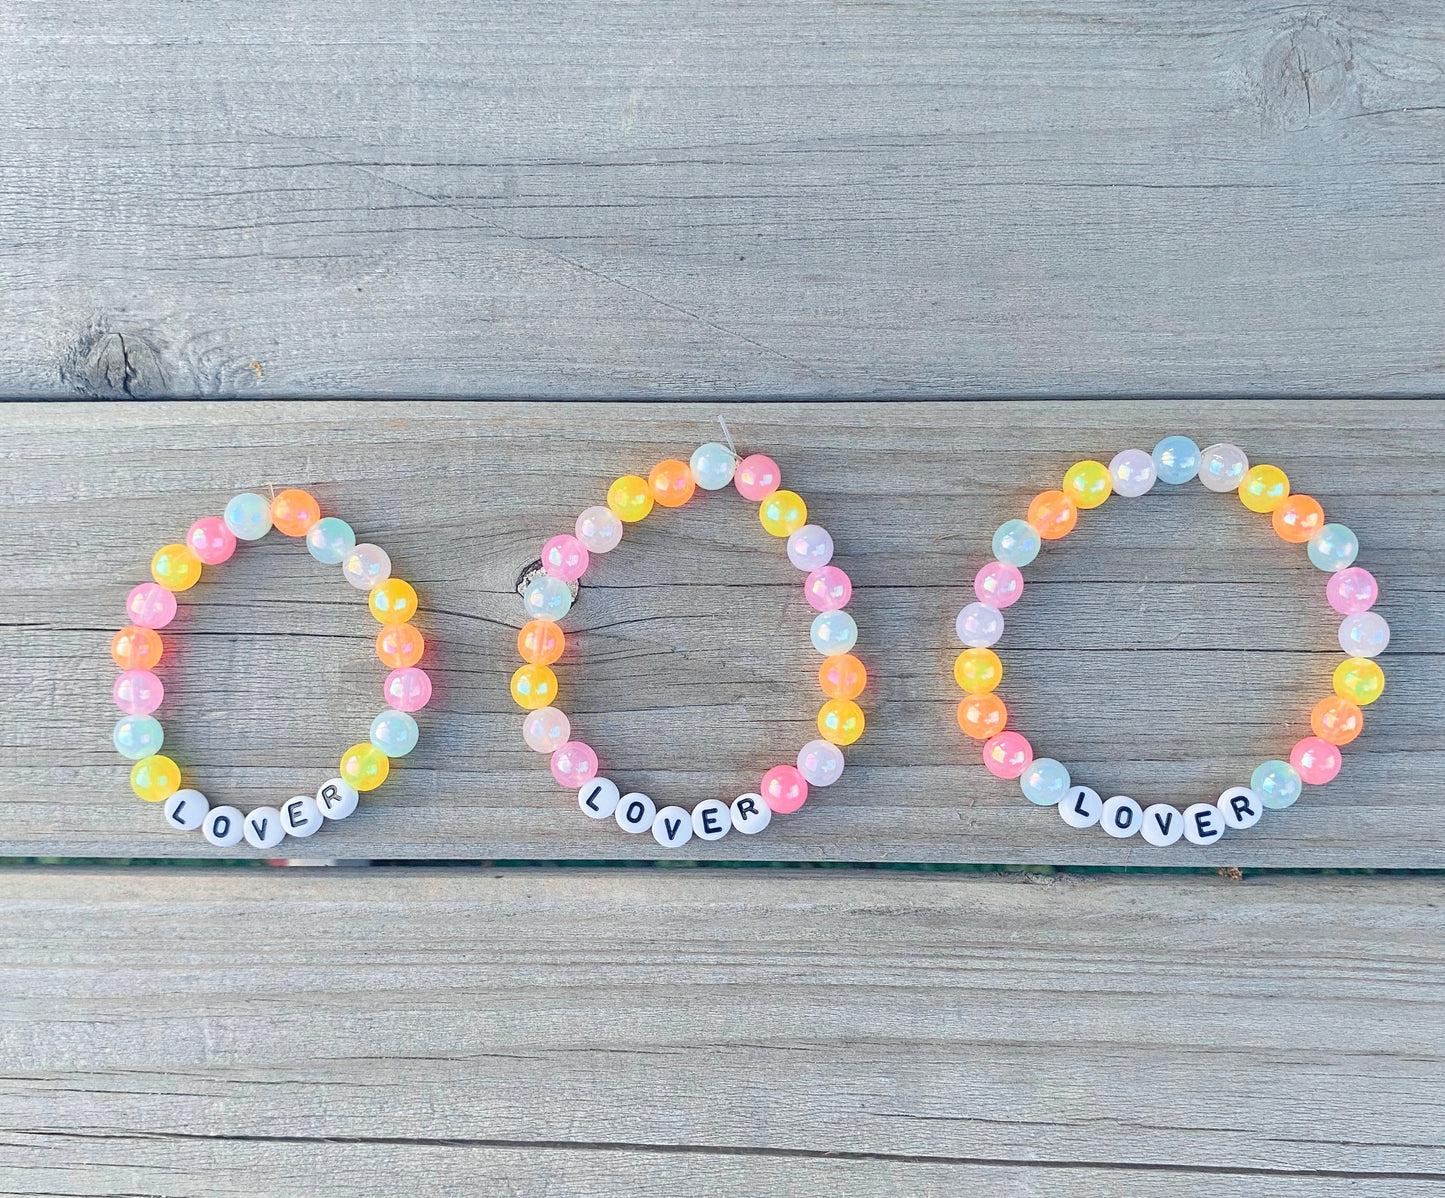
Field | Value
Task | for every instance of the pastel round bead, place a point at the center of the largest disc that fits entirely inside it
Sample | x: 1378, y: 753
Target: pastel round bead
x: 712, y: 466
x: 1364, y: 635
x: 1298, y: 518
x: 840, y: 721
x: 394, y: 732
x: 176, y: 568
x: 393, y: 601
x: 810, y: 547
x: 756, y: 477
x: 998, y: 584
x: 672, y: 482
x: 547, y: 598
x: 534, y: 686
x: 136, y: 648
x: 293, y: 512
x: 979, y: 625
x: 1315, y: 760
x: 1045, y: 782
x: 784, y: 789
x: 1277, y: 783
x: 833, y: 632
x: 399, y: 645
x: 137, y: 692
x: 155, y: 778
x: 1263, y: 488
x: 1132, y: 473
x: 1007, y: 754
x: 366, y: 566
x: 1016, y: 542
x: 540, y: 642
x: 1087, y: 483
x: 1222, y: 467
x: 978, y: 671
x: 211, y: 541
x: 151, y: 606
x: 364, y: 767
x: 248, y: 516
x: 1360, y: 680
x: 820, y: 762
x: 565, y: 557
x: 329, y: 540
x: 630, y: 498
x: 599, y: 529
x: 982, y: 716
x: 407, y: 689
x: 828, y: 589
x: 1054, y: 514
x: 1176, y: 459
x: 546, y: 730
x: 1337, y: 720
x: 1350, y: 591
x: 137, y: 736
x: 842, y: 676
x: 1333, y: 548
x: 574, y: 765
x: 782, y: 513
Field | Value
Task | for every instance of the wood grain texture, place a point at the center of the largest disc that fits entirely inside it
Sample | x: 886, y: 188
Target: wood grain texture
x: 1163, y: 650
x: 364, y: 1032
x: 721, y: 198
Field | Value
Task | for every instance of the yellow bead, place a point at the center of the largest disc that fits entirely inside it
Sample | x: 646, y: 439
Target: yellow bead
x: 978, y: 671
x: 630, y: 498
x: 840, y: 721
x: 156, y: 778
x: 534, y: 687
x: 1360, y: 680
x: 392, y: 601
x: 176, y: 568
x: 1264, y: 488
x: 364, y: 767
x: 783, y: 513
x: 1088, y: 484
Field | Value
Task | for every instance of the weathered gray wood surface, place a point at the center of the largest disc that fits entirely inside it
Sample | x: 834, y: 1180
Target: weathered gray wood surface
x: 336, y: 1032
x: 1161, y: 651
x: 721, y: 198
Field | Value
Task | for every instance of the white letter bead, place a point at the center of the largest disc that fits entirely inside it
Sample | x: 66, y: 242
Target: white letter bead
x: 635, y: 812
x: 672, y: 827
x: 598, y: 798
x: 1081, y: 807
x: 711, y: 819
x: 222, y: 827
x: 1121, y: 816
x: 263, y: 828
x: 1240, y: 807
x: 300, y: 816
x: 1202, y: 823
x: 186, y: 809
x: 751, y: 813
x: 335, y: 799
x: 1163, y: 825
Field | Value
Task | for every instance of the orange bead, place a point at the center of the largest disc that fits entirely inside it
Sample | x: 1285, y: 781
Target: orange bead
x: 672, y: 482
x: 1298, y: 518
x: 842, y: 676
x: 982, y: 716
x: 400, y: 645
x: 1054, y: 514
x: 294, y: 512
x: 540, y: 642
x: 1337, y: 720
x: 136, y: 648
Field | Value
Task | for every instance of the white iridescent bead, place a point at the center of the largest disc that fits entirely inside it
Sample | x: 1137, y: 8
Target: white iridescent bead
x: 1132, y: 472
x: 599, y: 528
x: 1364, y: 635
x: 547, y: 598
x: 248, y: 516
x: 1333, y: 548
x: 546, y: 730
x: 1222, y: 467
x: 810, y: 547
x: 820, y: 762
x: 1045, y: 781
x: 1016, y: 543
x: 712, y: 466
x: 365, y: 566
x: 834, y: 632
x: 979, y: 625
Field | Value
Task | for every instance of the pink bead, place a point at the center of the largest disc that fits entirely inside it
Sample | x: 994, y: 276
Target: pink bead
x: 1349, y: 591
x: 407, y: 689
x: 211, y: 541
x: 756, y: 478
x: 828, y: 588
x: 564, y: 557
x: 150, y: 605
x: 785, y: 789
x: 138, y: 692
x: 998, y: 584
x: 574, y: 765
x: 1315, y: 760
x: 1007, y: 755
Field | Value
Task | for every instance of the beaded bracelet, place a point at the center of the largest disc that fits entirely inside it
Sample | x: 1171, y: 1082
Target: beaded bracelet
x: 548, y: 596
x: 1299, y: 519
x: 137, y: 649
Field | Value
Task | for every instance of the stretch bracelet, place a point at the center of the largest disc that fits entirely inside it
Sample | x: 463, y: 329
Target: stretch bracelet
x: 1298, y: 519
x: 137, y: 650
x: 547, y: 598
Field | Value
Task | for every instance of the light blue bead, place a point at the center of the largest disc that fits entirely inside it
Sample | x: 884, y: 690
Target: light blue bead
x: 547, y: 598
x: 248, y: 516
x: 713, y: 465
x: 1016, y: 542
x: 138, y: 736
x: 394, y: 733
x: 1176, y: 459
x: 834, y: 632
x: 329, y: 540
x: 1277, y: 783
x: 1333, y: 548
x: 1045, y: 782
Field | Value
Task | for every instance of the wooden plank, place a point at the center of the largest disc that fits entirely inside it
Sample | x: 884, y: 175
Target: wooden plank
x: 721, y: 198
x: 335, y: 1031
x: 1162, y: 651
